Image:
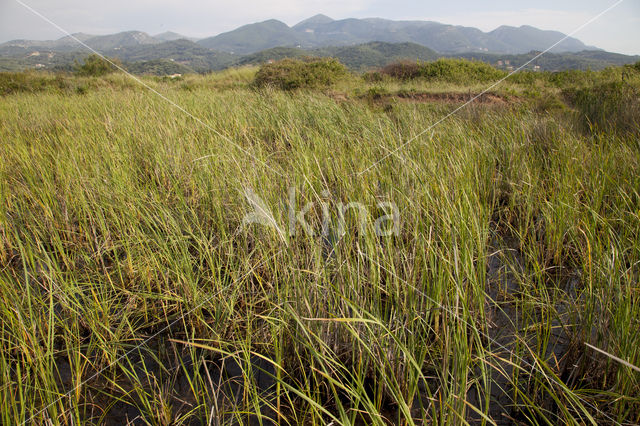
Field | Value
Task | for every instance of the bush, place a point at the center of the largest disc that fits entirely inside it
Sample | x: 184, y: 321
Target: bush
x: 526, y: 77
x: 609, y: 107
x: 376, y: 93
x: 403, y: 70
x: 460, y: 71
x: 449, y: 70
x: 96, y: 66
x: 373, y: 77
x: 29, y: 82
x: 290, y: 74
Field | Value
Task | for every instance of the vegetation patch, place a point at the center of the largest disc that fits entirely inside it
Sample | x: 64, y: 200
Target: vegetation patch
x: 290, y: 74
x: 400, y: 70
x: 377, y: 93
x: 455, y: 97
x: 611, y: 106
x: 13, y: 82
x: 159, y: 67
x: 449, y: 70
x: 151, y: 272
x: 96, y: 66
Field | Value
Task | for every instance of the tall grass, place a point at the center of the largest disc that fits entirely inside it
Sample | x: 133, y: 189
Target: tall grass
x: 610, y: 107
x: 132, y: 289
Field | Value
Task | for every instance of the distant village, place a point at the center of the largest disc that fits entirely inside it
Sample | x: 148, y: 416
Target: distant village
x: 506, y: 65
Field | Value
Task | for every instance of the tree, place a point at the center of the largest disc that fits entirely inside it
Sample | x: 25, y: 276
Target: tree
x: 95, y: 66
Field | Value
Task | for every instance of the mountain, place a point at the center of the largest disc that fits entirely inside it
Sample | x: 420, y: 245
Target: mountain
x: 360, y: 44
x: 120, y: 40
x: 255, y: 37
x: 72, y: 40
x: 63, y: 44
x: 529, y: 38
x: 436, y: 36
x: 312, y: 22
x: 171, y: 36
x: 69, y: 43
x: 321, y: 31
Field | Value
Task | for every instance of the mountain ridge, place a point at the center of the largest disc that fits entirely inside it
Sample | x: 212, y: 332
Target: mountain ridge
x: 173, y: 36
x: 254, y: 37
x: 360, y: 43
x: 322, y: 31
x: 315, y: 19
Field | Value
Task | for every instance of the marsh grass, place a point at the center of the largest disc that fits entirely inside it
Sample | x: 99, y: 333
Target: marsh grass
x: 132, y: 291
x: 611, y: 106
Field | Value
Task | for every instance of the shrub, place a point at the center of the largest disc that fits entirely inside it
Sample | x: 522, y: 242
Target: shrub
x: 373, y: 77
x: 460, y: 71
x: 376, y: 93
x: 611, y: 107
x: 96, y: 66
x: 449, y: 70
x: 289, y: 74
x: 403, y: 70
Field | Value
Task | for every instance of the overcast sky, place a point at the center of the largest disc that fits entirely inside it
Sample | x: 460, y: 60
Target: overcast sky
x: 617, y: 31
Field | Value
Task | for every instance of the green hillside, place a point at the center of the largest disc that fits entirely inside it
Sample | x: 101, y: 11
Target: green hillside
x: 254, y: 37
x: 200, y: 59
x: 361, y: 57
x: 585, y: 60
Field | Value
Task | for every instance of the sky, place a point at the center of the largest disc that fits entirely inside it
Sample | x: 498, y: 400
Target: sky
x: 616, y: 31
